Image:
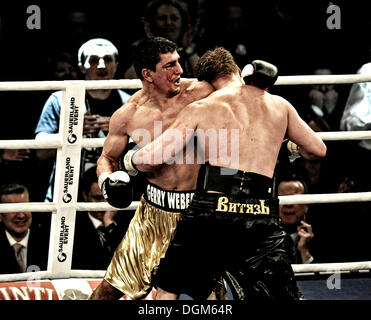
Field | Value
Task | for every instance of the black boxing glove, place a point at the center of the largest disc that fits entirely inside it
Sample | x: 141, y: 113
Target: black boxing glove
x: 260, y: 74
x: 116, y: 188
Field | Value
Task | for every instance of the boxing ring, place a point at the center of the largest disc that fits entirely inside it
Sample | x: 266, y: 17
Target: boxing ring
x: 69, y: 142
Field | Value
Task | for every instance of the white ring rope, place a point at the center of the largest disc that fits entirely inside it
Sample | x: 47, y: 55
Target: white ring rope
x: 50, y: 143
x: 54, y: 143
x: 51, y: 206
x: 103, y: 206
x: 98, y: 142
x: 344, y: 135
x: 326, y: 198
x: 304, y: 269
x: 331, y: 267
x: 136, y: 83
x: 31, y: 144
x: 61, y: 85
x: 46, y: 275
x: 324, y: 79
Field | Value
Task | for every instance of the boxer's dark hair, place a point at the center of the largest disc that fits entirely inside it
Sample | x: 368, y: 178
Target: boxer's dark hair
x: 148, y: 51
x: 214, y: 64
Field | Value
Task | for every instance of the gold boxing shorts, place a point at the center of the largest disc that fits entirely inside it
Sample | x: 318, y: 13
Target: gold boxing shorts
x: 146, y: 241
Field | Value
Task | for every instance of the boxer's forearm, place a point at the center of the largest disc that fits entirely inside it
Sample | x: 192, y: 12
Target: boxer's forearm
x: 148, y: 167
x: 162, y: 150
x: 144, y: 159
x: 105, y: 164
x: 113, y: 147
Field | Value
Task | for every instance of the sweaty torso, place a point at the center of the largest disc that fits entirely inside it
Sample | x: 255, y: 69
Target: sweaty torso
x: 150, y: 118
x: 256, y: 123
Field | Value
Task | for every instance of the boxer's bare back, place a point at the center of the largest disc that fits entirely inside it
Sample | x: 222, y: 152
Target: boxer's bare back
x: 254, y: 121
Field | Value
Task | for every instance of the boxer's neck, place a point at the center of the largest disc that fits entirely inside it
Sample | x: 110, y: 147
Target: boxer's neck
x: 227, y: 80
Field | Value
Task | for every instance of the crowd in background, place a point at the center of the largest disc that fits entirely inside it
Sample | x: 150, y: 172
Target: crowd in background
x: 290, y: 34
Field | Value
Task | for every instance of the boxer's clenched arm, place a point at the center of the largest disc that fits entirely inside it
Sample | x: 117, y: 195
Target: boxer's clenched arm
x: 115, y: 184
x: 113, y: 147
x: 114, y: 144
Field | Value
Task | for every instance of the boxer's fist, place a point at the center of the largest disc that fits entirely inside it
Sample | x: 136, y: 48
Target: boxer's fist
x: 260, y: 74
x: 116, y: 188
x: 289, y: 151
x: 293, y: 148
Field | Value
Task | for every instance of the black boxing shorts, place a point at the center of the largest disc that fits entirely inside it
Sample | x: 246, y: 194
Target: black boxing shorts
x: 234, y: 233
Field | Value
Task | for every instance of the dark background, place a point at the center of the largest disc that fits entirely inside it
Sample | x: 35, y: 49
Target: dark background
x: 297, y: 44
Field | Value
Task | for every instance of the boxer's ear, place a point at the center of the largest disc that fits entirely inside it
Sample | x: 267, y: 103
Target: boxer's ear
x: 147, y: 75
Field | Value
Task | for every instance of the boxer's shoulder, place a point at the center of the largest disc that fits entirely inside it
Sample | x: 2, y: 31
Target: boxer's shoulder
x: 199, y: 89
x: 123, y: 116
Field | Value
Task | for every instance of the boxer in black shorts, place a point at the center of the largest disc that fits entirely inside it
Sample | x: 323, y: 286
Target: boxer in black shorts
x: 232, y: 228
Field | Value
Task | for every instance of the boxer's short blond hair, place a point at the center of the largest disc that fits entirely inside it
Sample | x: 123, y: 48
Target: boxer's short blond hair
x: 214, y: 64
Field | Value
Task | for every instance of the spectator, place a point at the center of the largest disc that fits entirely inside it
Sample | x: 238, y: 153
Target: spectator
x: 293, y: 217
x: 231, y: 30
x: 323, y: 97
x: 326, y: 101
x: 14, y: 154
x: 78, y: 27
x: 21, y: 166
x: 357, y: 116
x: 97, y: 233
x: 98, y: 60
x: 23, y: 243
x: 170, y: 19
x: 12, y: 162
x: 62, y: 67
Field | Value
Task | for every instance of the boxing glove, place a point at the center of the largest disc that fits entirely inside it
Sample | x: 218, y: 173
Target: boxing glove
x: 116, y: 188
x: 260, y: 74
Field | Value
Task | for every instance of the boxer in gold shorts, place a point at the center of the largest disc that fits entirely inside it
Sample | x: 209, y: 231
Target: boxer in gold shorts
x: 143, y: 117
x: 137, y: 257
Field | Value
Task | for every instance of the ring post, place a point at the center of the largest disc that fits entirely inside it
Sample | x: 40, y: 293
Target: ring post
x: 67, y: 181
